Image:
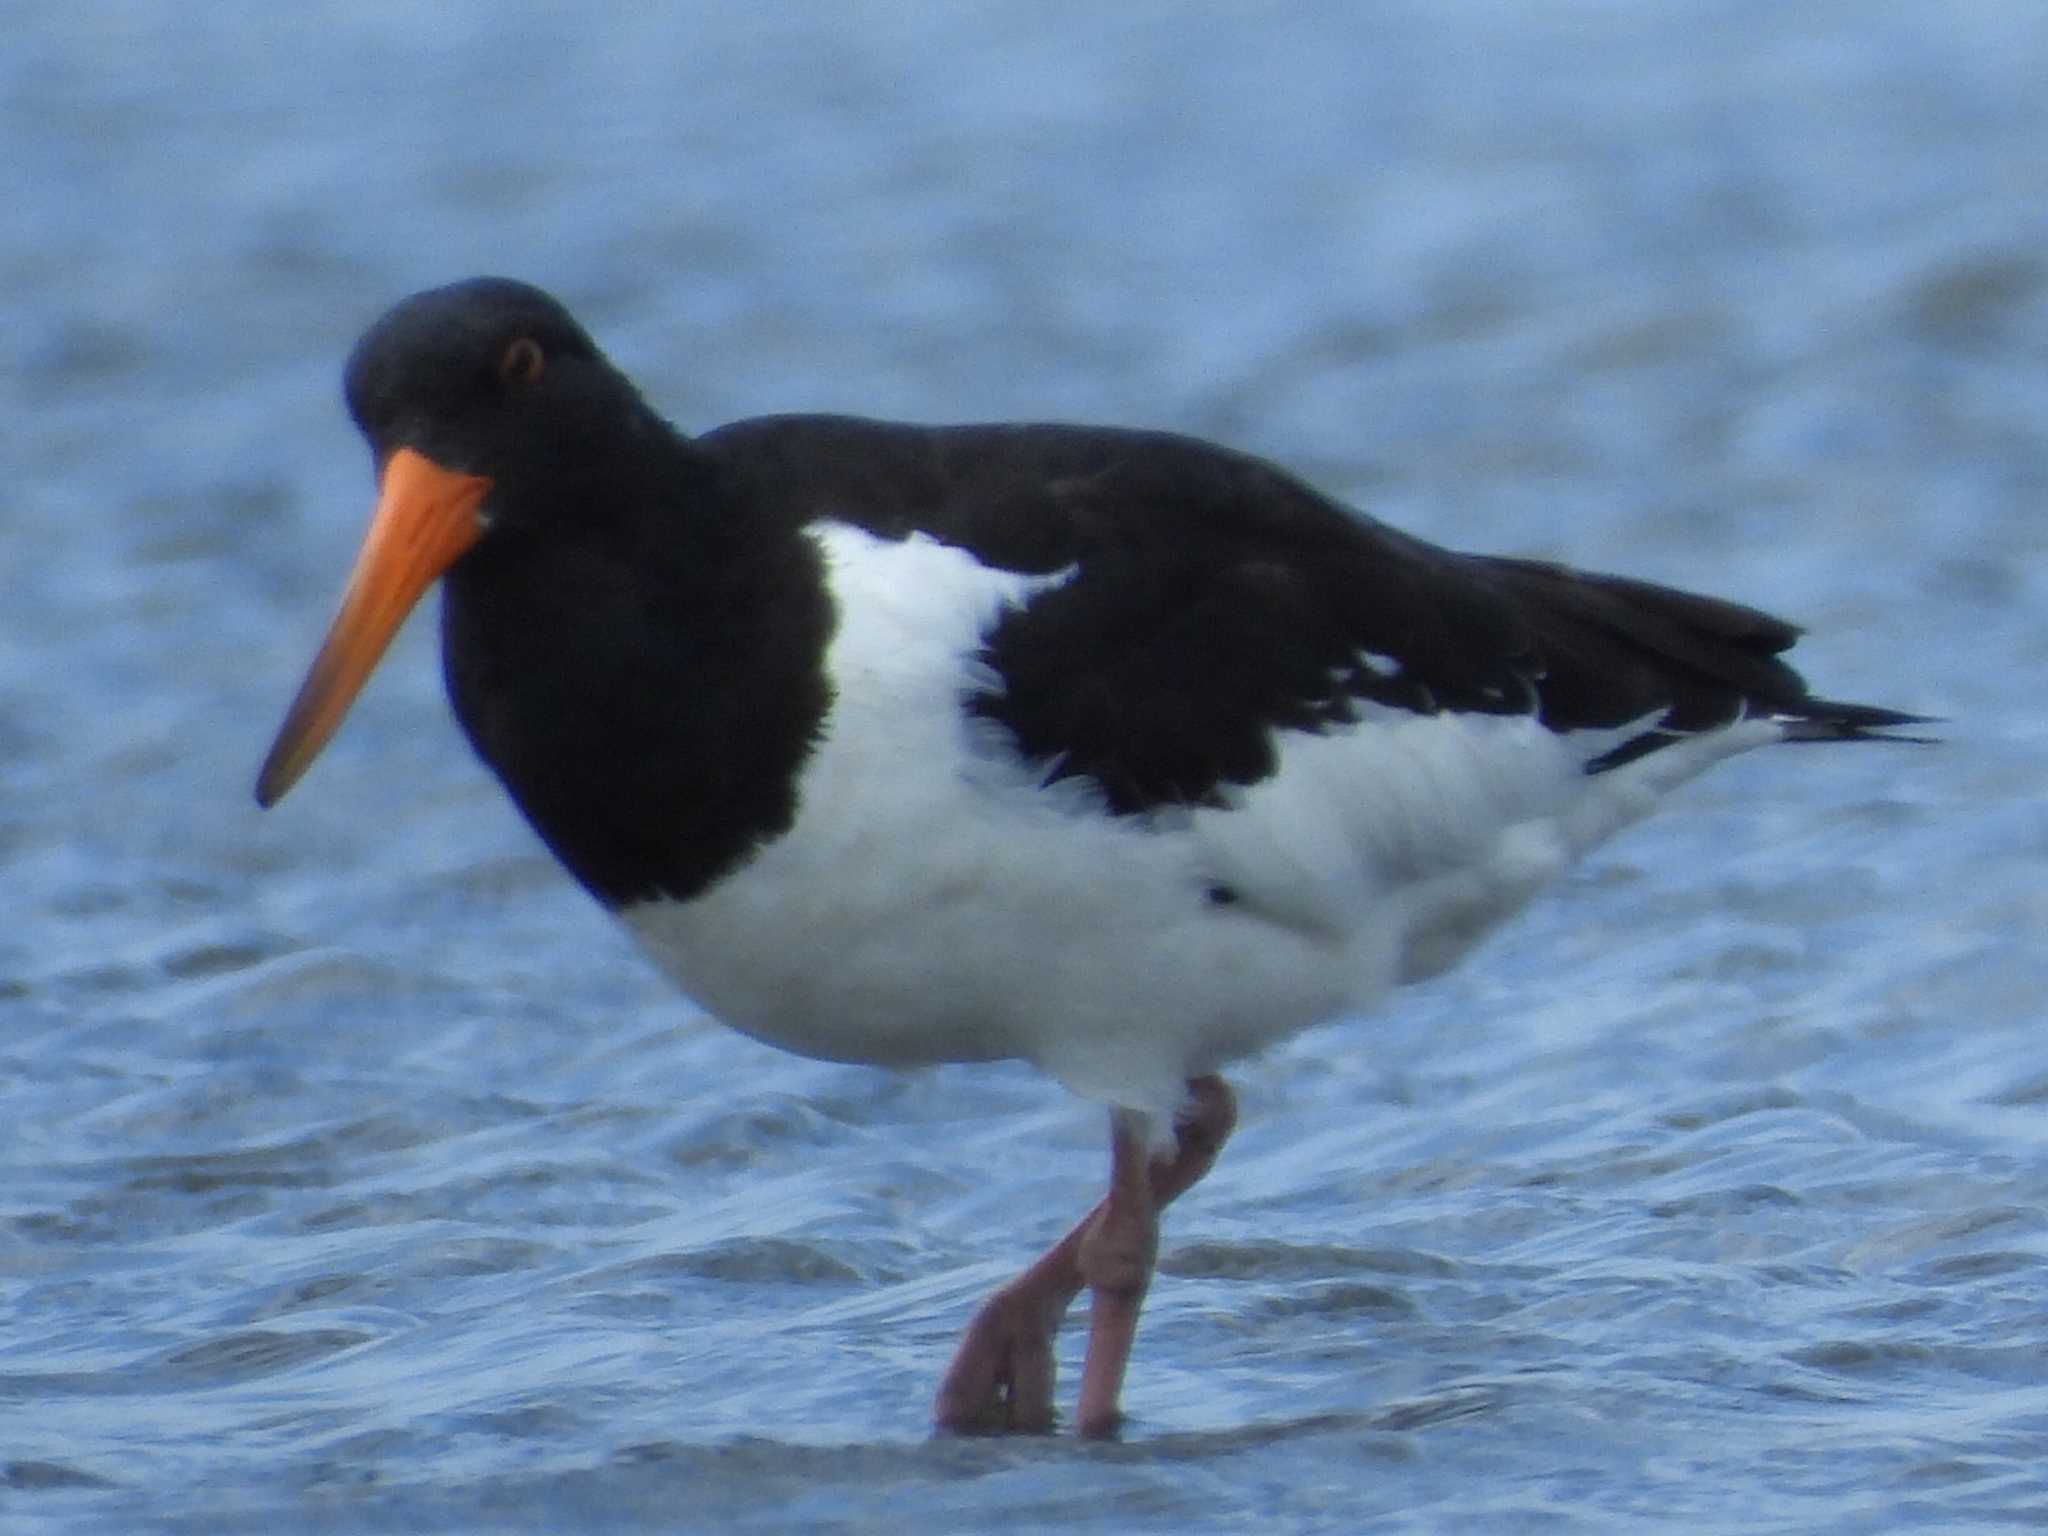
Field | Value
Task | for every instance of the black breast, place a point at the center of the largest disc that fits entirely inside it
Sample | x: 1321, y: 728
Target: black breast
x: 648, y: 705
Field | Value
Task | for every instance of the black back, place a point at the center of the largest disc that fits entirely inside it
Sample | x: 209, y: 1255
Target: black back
x: 637, y: 642
x: 1216, y: 599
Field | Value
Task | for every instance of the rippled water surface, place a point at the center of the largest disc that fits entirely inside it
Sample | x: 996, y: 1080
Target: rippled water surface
x: 357, y: 1177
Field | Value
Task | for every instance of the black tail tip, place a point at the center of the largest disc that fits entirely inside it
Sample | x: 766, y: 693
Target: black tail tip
x: 1826, y: 720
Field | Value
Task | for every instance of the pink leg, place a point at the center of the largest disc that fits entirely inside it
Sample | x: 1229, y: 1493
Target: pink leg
x: 1116, y: 1261
x: 1001, y: 1377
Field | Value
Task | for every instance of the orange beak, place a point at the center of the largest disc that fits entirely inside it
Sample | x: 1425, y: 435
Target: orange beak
x: 426, y: 518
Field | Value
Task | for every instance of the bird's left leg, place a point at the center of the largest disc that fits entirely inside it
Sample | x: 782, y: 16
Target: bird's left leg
x: 1001, y: 1377
x: 1116, y: 1256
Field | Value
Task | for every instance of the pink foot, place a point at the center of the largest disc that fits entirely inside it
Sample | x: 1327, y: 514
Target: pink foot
x: 1000, y: 1381
x: 1001, y: 1378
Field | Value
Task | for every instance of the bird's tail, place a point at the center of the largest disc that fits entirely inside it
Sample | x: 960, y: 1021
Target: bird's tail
x: 1827, y: 720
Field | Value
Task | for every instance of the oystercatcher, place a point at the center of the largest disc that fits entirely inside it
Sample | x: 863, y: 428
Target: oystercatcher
x: 1115, y: 751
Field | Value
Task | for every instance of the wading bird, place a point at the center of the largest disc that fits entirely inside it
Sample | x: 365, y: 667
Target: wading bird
x: 1115, y: 751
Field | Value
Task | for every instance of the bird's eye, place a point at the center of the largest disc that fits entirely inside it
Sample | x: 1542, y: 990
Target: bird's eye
x: 522, y: 362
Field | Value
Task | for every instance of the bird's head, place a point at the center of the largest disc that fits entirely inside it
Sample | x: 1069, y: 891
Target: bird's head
x: 483, y: 403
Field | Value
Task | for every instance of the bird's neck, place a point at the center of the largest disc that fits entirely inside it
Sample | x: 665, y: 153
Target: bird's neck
x: 646, y: 683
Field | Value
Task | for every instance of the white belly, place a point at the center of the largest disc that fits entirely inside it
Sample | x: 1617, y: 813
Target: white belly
x: 934, y: 902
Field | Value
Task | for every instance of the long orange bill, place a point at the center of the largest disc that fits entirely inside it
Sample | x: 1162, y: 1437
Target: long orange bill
x: 426, y: 517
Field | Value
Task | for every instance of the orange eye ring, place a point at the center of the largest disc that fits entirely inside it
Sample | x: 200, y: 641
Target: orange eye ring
x: 522, y: 362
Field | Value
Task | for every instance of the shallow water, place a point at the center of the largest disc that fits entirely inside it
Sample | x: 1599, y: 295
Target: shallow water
x: 358, y: 1177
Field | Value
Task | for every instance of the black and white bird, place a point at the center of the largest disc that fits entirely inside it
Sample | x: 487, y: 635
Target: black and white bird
x: 1115, y: 751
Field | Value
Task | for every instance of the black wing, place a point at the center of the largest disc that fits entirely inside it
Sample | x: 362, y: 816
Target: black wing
x: 1216, y: 600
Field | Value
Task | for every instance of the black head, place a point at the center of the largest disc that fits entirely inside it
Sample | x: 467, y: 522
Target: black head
x: 492, y: 417
x: 489, y: 376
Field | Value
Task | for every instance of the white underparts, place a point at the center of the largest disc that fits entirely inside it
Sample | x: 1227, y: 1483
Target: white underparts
x: 938, y: 900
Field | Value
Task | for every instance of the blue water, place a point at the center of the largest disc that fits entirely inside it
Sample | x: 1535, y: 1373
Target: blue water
x: 354, y: 1174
